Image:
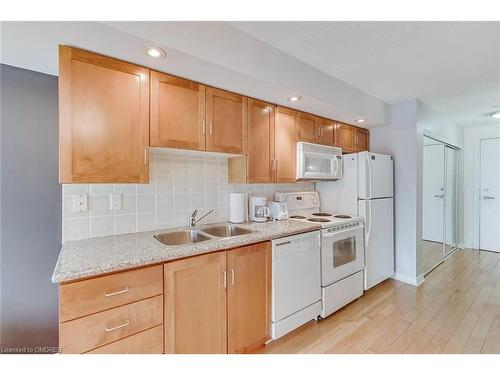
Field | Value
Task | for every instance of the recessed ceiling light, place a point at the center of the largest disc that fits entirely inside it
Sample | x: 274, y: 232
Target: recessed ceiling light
x: 295, y: 98
x: 361, y: 120
x: 495, y: 114
x: 155, y: 52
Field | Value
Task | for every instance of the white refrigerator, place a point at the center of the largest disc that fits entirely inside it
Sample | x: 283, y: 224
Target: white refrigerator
x: 367, y: 190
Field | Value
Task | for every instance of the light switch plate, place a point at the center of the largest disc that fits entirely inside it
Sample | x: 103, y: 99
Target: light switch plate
x: 115, y: 201
x: 80, y: 203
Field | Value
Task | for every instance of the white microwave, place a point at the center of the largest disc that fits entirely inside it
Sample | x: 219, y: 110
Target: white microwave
x: 318, y: 162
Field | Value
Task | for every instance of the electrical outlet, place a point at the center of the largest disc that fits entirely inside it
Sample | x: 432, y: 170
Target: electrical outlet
x: 115, y: 201
x: 80, y: 203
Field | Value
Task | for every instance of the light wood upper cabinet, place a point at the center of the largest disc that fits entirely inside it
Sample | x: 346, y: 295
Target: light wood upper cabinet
x: 351, y: 138
x: 261, y: 118
x: 226, y: 121
x: 326, y: 130
x: 362, y: 139
x: 344, y: 137
x: 249, y: 299
x: 307, y: 127
x: 195, y: 305
x: 285, y: 144
x: 103, y: 119
x: 177, y: 112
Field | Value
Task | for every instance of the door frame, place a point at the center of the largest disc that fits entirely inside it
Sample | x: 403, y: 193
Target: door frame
x: 477, y: 177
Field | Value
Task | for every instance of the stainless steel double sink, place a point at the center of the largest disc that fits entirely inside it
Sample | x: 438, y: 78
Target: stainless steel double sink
x: 189, y: 236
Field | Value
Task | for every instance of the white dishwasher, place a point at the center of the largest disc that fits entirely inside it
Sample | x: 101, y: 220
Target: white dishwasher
x: 296, y: 282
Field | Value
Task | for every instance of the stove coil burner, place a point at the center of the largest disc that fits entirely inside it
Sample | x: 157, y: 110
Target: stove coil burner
x: 297, y: 217
x: 343, y: 216
x: 321, y: 214
x: 318, y: 220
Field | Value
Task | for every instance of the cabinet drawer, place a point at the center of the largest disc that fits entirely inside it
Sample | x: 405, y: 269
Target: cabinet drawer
x: 84, y: 334
x: 146, y: 342
x: 90, y: 296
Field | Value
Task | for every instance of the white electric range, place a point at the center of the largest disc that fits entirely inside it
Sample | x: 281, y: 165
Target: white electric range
x: 342, y: 248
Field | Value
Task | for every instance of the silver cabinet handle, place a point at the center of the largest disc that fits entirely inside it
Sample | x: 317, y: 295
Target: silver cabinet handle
x: 121, y: 291
x: 232, y: 277
x: 276, y: 165
x: 488, y: 197
x: 203, y: 127
x: 283, y: 243
x: 224, y: 275
x: 117, y: 327
x: 210, y: 128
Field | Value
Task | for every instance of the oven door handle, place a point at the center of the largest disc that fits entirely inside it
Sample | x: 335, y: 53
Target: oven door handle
x: 331, y: 234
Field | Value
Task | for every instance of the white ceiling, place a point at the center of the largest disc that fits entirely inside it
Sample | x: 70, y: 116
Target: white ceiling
x: 454, y: 67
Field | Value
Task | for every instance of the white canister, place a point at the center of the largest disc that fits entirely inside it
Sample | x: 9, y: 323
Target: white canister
x: 237, y: 204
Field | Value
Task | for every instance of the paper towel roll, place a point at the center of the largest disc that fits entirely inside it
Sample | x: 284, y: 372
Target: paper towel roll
x: 237, y: 207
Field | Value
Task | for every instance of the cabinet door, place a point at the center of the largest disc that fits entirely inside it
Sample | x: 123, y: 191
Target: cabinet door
x: 177, y: 112
x: 195, y: 305
x: 260, y: 141
x: 307, y: 127
x: 103, y: 119
x: 285, y: 145
x: 344, y: 137
x: 362, y: 139
x: 226, y: 121
x: 249, y: 299
x: 326, y: 132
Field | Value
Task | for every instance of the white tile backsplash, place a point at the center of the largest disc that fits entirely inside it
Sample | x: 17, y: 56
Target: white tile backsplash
x: 178, y: 185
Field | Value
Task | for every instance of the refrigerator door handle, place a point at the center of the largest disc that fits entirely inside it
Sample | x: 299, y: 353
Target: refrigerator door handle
x: 369, y: 222
x: 368, y: 177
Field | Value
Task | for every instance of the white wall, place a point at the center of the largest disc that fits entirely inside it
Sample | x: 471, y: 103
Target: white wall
x: 437, y: 126
x: 177, y: 185
x: 472, y: 139
x: 403, y: 138
x: 399, y: 138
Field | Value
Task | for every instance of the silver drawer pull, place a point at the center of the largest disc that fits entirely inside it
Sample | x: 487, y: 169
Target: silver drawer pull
x: 109, y: 294
x: 117, y: 327
x: 283, y: 243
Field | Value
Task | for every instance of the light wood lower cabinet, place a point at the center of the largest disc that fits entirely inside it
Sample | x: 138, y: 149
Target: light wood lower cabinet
x: 87, y: 333
x: 249, y: 297
x: 145, y: 342
x: 195, y: 305
x: 213, y: 303
x: 102, y: 293
x: 218, y: 303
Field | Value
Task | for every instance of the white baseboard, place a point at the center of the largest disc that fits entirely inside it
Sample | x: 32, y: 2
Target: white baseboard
x: 415, y: 281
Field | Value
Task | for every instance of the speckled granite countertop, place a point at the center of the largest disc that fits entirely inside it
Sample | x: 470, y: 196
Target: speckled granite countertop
x: 86, y: 258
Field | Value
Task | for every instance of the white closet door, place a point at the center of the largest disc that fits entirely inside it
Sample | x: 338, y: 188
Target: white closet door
x: 490, y: 195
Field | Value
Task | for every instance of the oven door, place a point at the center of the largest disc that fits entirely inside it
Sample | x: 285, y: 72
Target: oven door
x: 342, y: 254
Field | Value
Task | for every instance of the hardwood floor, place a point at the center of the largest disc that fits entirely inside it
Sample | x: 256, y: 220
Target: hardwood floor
x: 456, y: 310
x: 432, y: 254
